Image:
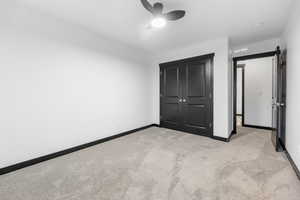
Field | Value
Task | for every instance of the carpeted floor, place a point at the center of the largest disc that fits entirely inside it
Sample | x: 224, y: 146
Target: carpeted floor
x: 161, y: 164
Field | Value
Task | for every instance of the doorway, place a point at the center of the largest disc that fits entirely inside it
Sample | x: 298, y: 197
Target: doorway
x: 258, y: 94
x: 240, y: 77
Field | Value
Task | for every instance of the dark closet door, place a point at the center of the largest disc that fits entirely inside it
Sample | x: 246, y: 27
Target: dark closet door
x: 197, y: 97
x: 186, y: 95
x: 170, y: 96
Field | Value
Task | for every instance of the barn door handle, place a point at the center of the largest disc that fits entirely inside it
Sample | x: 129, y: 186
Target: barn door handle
x: 184, y: 100
x: 280, y: 104
x: 180, y: 100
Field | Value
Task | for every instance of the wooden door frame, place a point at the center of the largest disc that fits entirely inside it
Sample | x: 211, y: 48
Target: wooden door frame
x: 182, y: 62
x: 235, y: 66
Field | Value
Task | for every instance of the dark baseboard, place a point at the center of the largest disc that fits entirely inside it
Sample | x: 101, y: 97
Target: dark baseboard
x: 220, y: 138
x: 224, y: 139
x: 258, y: 127
x: 34, y: 161
x: 293, y: 164
x: 155, y: 125
x: 233, y: 132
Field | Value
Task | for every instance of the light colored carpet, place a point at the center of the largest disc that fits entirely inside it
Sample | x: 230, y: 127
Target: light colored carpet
x: 161, y: 164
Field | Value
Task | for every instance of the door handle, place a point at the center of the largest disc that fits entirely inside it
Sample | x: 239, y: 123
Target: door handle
x: 280, y: 104
x: 184, y: 100
x: 180, y: 100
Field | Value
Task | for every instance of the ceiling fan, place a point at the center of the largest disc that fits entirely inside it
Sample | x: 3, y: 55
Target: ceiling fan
x: 160, y: 18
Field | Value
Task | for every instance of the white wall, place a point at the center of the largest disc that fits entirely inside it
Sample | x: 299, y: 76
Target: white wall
x: 291, y: 38
x: 258, y: 47
x: 62, y: 86
x: 239, y: 89
x: 258, y: 91
x: 221, y: 80
x: 230, y: 88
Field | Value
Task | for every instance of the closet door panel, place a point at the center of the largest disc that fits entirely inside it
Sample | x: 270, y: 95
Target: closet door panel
x: 170, y: 97
x: 197, y: 96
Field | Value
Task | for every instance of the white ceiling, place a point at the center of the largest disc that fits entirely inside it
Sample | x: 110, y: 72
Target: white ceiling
x: 127, y: 21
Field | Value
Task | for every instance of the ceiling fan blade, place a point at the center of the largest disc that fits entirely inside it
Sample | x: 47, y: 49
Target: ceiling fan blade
x: 147, y: 5
x: 175, y: 15
x: 158, y: 8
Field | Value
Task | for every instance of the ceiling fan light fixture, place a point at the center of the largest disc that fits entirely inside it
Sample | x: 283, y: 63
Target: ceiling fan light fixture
x: 160, y: 18
x: 158, y: 22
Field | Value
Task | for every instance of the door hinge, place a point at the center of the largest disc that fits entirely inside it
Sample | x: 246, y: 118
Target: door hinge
x: 210, y: 125
x: 210, y: 95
